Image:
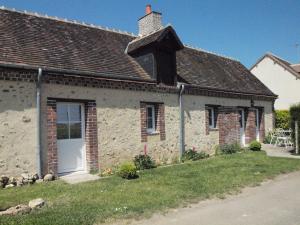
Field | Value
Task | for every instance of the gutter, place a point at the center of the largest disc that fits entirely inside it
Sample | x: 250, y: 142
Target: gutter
x: 181, y: 120
x: 38, y: 108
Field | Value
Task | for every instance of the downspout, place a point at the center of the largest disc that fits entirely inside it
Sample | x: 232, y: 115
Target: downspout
x: 181, y: 122
x: 38, y: 108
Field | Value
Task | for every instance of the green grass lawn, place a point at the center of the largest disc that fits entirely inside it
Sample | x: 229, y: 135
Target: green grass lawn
x: 155, y: 190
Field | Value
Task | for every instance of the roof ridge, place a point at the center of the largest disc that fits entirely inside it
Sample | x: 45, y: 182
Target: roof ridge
x: 272, y: 54
x: 139, y: 37
x: 81, y: 23
x: 213, y: 53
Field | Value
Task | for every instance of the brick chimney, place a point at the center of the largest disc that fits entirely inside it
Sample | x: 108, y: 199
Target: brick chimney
x: 150, y: 22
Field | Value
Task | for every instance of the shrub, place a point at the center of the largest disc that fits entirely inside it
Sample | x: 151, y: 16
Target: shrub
x: 255, y: 146
x: 144, y: 161
x: 128, y: 171
x: 230, y: 148
x: 295, y: 116
x: 193, y: 155
x: 267, y: 139
x: 282, y: 119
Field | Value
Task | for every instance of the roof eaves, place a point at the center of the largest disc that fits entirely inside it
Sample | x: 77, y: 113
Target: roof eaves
x: 74, y: 72
x: 232, y: 92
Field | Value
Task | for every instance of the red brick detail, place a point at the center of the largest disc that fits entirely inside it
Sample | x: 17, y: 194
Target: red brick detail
x: 229, y: 126
x: 51, y: 137
x: 262, y: 132
x: 159, y: 120
x: 143, y: 111
x: 250, y: 125
x: 206, y: 122
x: 30, y: 75
x: 91, y: 136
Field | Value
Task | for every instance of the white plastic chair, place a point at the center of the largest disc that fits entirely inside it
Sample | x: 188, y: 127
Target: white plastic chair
x: 284, y: 138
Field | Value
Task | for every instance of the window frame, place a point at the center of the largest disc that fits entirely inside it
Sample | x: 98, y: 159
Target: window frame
x: 153, y: 129
x: 212, y: 119
x: 70, y: 121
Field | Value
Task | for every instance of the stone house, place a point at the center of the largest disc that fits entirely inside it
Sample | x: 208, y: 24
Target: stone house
x: 77, y: 97
x: 281, y: 77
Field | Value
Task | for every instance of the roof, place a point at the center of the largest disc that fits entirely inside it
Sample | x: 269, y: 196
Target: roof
x: 208, y: 70
x: 296, y: 67
x: 44, y: 42
x: 154, y: 37
x: 51, y: 43
x: 293, y: 69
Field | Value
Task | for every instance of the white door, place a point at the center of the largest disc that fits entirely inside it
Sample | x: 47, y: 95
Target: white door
x: 242, y: 127
x: 257, y: 123
x: 70, y: 137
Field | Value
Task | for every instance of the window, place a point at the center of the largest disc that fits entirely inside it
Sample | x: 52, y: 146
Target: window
x: 69, y: 124
x: 151, y: 119
x: 211, y: 117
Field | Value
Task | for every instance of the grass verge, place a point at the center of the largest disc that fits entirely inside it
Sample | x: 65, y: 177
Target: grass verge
x: 156, y: 190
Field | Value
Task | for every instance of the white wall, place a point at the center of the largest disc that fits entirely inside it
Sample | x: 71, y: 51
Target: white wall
x: 280, y: 81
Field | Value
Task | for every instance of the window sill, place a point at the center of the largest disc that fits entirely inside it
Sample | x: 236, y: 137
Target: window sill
x: 213, y: 129
x: 153, y: 133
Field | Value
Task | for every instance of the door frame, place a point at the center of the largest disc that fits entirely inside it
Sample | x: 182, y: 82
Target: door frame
x: 243, y: 128
x: 84, y: 157
x: 257, y: 124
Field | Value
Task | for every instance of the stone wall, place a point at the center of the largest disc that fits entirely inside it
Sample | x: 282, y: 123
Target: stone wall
x: 118, y: 123
x: 17, y: 127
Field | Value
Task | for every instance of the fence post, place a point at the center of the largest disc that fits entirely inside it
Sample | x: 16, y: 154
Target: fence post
x: 297, y: 136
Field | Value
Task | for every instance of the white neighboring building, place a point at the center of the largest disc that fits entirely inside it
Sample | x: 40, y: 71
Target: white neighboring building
x: 281, y: 77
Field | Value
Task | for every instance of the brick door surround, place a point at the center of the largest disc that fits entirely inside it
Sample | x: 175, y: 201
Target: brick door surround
x: 91, y: 134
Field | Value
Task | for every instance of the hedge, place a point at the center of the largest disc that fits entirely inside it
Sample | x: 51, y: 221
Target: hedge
x: 282, y: 119
x: 295, y: 116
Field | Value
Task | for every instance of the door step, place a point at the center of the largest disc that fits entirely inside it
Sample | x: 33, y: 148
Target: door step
x: 78, y: 177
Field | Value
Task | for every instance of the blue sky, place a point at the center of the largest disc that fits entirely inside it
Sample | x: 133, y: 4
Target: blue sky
x: 242, y: 29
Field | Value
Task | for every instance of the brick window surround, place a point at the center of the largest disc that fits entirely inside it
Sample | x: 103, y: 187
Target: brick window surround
x: 91, y: 136
x: 159, y: 120
x: 229, y: 125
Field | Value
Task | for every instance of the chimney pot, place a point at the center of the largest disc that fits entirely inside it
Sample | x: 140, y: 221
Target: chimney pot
x: 148, y: 9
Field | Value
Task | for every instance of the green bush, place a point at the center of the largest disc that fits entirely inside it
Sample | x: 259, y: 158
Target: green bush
x: 282, y: 119
x: 128, y: 171
x: 267, y: 139
x: 144, y: 161
x: 255, y: 146
x: 295, y: 116
x: 229, y: 148
x: 193, y: 155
